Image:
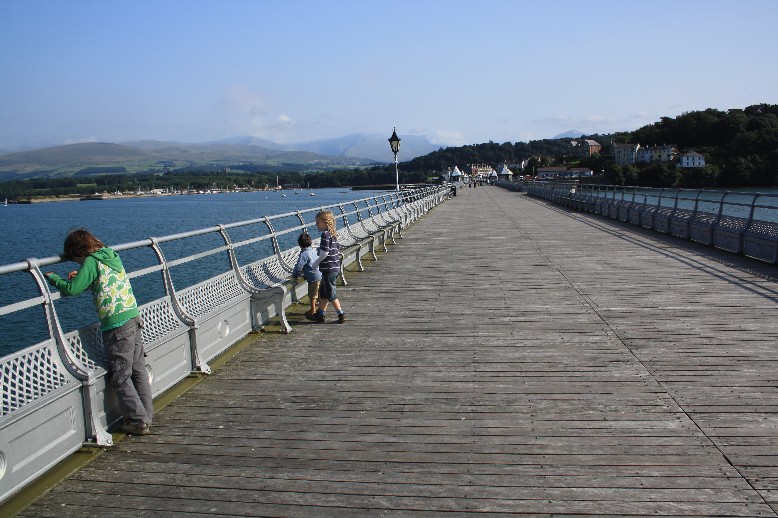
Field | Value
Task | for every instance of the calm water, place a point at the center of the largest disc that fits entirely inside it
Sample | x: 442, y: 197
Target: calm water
x: 38, y: 230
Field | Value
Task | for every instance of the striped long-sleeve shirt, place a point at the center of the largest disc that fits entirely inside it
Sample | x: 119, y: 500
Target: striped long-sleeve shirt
x: 329, y: 244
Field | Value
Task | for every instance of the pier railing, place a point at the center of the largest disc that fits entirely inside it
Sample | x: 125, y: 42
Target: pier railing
x: 738, y: 222
x: 200, y: 293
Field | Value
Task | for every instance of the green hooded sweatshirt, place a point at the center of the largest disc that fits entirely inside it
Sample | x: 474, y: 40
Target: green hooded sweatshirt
x: 103, y: 273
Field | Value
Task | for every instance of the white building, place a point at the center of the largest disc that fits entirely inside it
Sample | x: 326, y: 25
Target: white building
x: 504, y: 173
x: 625, y: 154
x: 692, y: 159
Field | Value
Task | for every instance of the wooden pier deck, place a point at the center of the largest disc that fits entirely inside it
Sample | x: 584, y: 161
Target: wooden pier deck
x: 507, y: 357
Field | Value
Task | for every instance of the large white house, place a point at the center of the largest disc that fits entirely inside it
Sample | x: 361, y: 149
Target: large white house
x: 692, y: 159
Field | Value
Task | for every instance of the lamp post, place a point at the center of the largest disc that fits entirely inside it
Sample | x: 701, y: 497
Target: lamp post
x: 394, y: 143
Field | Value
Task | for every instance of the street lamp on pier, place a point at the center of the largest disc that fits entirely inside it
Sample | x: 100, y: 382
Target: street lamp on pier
x: 394, y: 143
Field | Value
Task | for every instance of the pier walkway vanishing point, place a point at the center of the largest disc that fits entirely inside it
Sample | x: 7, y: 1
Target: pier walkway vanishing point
x: 508, y: 356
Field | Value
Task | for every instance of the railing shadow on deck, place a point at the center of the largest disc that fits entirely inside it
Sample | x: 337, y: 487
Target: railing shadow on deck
x: 210, y: 292
x: 678, y: 251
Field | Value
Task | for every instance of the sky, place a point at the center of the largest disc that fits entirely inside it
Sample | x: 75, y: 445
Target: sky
x: 457, y: 72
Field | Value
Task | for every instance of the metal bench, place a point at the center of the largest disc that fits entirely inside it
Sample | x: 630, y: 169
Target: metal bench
x: 760, y: 240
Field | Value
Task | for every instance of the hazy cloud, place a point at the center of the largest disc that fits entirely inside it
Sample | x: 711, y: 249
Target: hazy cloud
x: 448, y: 138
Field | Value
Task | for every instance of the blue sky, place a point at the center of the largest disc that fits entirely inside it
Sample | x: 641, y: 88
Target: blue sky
x: 458, y: 72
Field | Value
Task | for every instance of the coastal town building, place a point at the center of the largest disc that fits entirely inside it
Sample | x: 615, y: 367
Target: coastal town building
x: 625, y: 154
x: 482, y: 170
x: 453, y: 175
x: 550, y: 172
x: 562, y: 172
x: 628, y: 154
x: 652, y: 154
x: 504, y: 172
x: 585, y: 147
x: 691, y: 159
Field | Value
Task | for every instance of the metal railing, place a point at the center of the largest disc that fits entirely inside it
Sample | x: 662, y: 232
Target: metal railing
x: 200, y: 292
x: 743, y: 223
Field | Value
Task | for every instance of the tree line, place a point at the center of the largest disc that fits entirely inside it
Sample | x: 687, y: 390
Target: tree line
x: 740, y: 147
x: 198, y: 180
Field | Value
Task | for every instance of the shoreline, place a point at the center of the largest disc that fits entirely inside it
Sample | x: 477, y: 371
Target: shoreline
x: 106, y: 196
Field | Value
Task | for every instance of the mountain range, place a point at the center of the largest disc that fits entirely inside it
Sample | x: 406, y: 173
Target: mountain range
x: 348, y: 151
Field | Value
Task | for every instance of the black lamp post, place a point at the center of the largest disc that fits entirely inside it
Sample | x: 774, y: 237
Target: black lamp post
x: 394, y: 143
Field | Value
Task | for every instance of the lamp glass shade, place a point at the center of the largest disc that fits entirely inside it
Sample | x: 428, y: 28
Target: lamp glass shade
x: 394, y: 142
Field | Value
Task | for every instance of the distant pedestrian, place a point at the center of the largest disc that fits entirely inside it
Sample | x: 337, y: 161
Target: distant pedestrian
x: 305, y: 266
x: 102, y: 272
x: 329, y: 265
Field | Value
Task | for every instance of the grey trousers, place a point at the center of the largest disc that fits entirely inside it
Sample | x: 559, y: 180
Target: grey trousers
x: 127, y: 372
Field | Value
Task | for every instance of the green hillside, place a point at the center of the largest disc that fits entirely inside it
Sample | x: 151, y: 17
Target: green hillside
x: 740, y: 148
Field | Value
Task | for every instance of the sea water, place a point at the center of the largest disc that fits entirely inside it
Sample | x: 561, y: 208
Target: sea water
x: 39, y: 230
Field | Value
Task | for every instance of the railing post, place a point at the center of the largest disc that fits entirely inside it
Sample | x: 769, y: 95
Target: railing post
x: 751, y: 212
x: 94, y: 428
x: 276, y: 245
x: 198, y: 364
x: 696, y: 202
x: 721, y: 207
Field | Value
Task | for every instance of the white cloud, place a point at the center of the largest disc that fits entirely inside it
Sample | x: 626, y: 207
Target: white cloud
x: 448, y: 138
x: 79, y: 140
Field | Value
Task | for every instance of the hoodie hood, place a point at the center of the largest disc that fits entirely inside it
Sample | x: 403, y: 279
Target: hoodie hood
x: 109, y: 258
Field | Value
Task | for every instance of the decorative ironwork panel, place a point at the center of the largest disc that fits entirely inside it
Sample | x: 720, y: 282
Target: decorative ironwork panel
x: 159, y: 321
x: 86, y: 346
x: 29, y: 376
x: 203, y: 298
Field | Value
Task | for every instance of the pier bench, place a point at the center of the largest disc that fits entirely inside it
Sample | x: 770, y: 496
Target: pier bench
x: 624, y: 210
x: 728, y: 233
x: 760, y: 241
x: 272, y: 288
x: 42, y: 419
x: 218, y: 311
x: 679, y: 222
x: 701, y: 227
x: 648, y: 216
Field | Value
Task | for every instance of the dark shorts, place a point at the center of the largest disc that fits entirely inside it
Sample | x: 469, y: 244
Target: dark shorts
x: 327, y: 288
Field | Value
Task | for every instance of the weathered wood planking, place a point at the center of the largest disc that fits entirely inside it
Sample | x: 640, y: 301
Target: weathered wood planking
x: 506, y: 357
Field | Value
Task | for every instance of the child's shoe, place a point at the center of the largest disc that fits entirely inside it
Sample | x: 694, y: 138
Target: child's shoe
x: 320, y: 317
x: 135, y: 428
x: 341, y: 318
x: 310, y: 315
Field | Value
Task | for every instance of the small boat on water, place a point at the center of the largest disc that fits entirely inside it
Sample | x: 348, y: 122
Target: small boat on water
x: 312, y: 194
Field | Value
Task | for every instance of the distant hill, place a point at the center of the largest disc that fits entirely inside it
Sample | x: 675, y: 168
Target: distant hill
x: 144, y: 156
x: 573, y: 133
x: 149, y: 155
x: 374, y: 147
x: 92, y: 153
x: 356, y: 145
